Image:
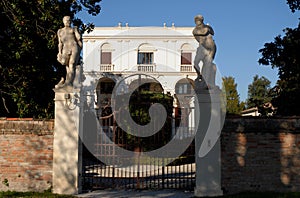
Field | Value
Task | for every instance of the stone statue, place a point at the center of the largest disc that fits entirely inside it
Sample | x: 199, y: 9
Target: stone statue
x: 69, y: 47
x: 205, y: 52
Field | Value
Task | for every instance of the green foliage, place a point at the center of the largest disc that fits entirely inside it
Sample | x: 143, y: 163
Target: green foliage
x: 258, y: 92
x: 283, y: 54
x: 233, y: 106
x: 293, y: 4
x: 264, y: 195
x: 140, y: 102
x: 13, y: 194
x: 28, y: 48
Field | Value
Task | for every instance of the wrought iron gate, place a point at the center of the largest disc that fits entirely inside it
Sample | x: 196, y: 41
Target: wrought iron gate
x: 148, y: 174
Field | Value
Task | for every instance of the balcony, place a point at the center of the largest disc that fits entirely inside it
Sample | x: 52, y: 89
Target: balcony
x: 186, y: 68
x: 146, y: 68
x: 106, y: 67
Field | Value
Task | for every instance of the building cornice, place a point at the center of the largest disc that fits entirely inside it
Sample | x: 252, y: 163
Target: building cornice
x: 139, y: 33
x: 142, y: 27
x: 116, y: 37
x: 160, y: 73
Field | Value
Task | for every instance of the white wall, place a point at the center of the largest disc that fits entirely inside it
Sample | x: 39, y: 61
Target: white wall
x: 125, y: 42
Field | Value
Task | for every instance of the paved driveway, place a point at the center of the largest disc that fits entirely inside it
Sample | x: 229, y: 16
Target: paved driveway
x: 137, y: 194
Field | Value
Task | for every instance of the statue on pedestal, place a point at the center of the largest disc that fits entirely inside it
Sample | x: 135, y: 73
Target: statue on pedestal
x: 69, y: 47
x: 205, y: 53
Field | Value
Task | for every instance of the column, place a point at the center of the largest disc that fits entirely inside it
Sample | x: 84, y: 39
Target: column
x: 207, y: 143
x: 66, y: 144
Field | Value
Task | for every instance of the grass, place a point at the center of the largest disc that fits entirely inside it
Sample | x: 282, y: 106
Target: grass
x: 13, y: 194
x: 264, y: 195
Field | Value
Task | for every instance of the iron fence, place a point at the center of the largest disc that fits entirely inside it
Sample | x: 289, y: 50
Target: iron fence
x: 146, y: 173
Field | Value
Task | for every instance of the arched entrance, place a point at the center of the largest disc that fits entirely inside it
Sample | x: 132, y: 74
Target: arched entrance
x: 104, y: 91
x: 146, y: 85
x: 149, y: 173
x: 184, y: 109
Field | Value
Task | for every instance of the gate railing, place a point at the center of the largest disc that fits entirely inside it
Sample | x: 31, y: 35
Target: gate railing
x: 150, y: 173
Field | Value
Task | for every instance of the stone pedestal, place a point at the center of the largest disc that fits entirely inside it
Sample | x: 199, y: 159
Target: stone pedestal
x: 66, y: 145
x: 207, y: 143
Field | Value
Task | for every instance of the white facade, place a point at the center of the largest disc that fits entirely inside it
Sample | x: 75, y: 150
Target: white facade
x: 166, y: 44
x: 162, y: 56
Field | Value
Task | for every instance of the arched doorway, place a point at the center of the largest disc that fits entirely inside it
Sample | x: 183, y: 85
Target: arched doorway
x: 112, y: 169
x: 184, y: 109
x: 146, y: 85
x: 104, y: 91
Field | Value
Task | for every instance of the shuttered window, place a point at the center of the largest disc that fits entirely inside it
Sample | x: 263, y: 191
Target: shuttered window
x: 105, y: 58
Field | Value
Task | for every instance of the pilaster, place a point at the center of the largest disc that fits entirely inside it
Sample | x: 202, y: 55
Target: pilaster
x: 66, y: 144
x: 207, y: 143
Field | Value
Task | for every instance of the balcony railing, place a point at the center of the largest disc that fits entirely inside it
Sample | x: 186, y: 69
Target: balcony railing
x: 146, y: 68
x: 106, y: 67
x: 186, y: 68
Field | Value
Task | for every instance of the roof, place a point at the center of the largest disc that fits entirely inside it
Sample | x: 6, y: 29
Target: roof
x: 131, y: 32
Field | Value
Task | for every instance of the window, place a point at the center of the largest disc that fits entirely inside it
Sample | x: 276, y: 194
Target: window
x: 105, y: 58
x: 145, y: 58
x: 186, y: 58
x: 106, y: 54
x: 183, y: 88
x: 145, y: 54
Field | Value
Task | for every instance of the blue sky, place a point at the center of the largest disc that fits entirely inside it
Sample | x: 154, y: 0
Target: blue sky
x: 241, y: 28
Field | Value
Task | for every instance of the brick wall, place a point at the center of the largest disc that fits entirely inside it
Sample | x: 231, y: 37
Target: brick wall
x: 26, y: 150
x: 261, y: 154
x: 257, y: 154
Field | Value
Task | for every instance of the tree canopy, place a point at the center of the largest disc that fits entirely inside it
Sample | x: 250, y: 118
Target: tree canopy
x: 28, y: 48
x: 233, y: 106
x: 283, y: 54
x: 293, y: 4
x: 259, y: 93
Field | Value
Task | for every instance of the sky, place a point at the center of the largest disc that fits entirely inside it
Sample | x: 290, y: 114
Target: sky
x: 242, y: 27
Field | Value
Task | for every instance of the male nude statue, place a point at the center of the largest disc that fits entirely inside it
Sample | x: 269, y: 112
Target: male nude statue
x: 205, y: 52
x: 69, y: 47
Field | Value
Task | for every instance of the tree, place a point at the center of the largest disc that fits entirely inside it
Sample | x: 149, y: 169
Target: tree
x: 28, y: 48
x: 283, y: 54
x: 139, y: 105
x: 233, y: 106
x: 293, y: 4
x: 258, y: 92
